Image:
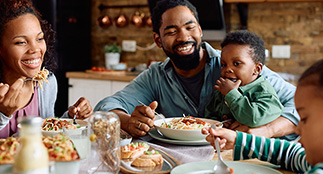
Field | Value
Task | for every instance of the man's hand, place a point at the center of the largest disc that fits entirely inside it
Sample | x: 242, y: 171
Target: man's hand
x: 141, y: 119
x: 226, y: 85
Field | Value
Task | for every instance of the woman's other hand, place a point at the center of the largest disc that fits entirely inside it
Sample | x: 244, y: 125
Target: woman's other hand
x: 82, y: 109
x: 10, y: 97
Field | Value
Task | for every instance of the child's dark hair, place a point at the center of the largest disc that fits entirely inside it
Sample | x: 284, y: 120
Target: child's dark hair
x: 12, y: 9
x: 313, y: 75
x: 243, y: 37
x: 164, y: 5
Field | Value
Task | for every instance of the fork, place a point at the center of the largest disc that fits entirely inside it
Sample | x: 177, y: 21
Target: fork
x: 27, y: 79
x: 156, y: 114
x: 220, y: 167
x: 74, y: 122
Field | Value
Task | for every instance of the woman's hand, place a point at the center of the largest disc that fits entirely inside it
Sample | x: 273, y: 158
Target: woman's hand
x: 141, y: 119
x: 227, y: 137
x: 10, y: 97
x: 82, y: 109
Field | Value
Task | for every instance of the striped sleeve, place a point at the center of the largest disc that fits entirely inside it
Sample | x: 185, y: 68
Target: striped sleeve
x: 288, y: 155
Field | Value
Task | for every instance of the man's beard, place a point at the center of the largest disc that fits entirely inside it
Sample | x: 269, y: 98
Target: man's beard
x: 186, y: 62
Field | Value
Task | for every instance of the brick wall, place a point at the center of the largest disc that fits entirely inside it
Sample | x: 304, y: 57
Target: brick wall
x: 298, y: 24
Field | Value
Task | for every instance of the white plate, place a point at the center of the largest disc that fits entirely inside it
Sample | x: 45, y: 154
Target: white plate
x: 156, y: 135
x: 169, y: 164
x: 206, y: 167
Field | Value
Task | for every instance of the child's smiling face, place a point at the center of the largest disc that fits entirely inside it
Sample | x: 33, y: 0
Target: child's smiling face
x: 309, y: 104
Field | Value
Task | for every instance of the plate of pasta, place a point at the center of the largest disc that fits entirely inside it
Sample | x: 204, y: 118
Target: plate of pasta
x: 59, y: 147
x: 186, y: 128
x: 52, y: 126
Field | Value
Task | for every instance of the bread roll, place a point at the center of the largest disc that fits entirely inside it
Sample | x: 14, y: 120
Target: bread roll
x: 148, y: 159
x: 133, y: 150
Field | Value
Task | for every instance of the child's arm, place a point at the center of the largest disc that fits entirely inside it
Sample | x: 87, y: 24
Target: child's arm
x: 287, y: 154
x: 255, y: 104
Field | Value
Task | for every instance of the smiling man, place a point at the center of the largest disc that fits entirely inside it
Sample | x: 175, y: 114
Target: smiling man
x: 183, y: 83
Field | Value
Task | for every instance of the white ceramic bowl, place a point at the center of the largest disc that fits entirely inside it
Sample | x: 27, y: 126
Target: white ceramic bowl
x: 81, y: 123
x: 182, y: 134
x: 125, y: 138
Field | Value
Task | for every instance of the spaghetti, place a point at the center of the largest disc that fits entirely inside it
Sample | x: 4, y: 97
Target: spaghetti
x: 41, y: 76
x: 187, y: 122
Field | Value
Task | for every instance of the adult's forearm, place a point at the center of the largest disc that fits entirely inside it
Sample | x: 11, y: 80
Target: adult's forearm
x: 277, y: 128
x: 281, y: 127
x: 124, y: 117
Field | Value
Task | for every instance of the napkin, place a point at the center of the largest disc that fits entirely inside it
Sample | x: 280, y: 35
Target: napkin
x: 183, y: 154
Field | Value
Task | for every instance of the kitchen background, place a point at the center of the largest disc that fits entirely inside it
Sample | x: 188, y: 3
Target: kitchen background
x: 296, y: 24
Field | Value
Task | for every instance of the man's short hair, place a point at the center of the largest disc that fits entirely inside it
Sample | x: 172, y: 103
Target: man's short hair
x: 164, y: 5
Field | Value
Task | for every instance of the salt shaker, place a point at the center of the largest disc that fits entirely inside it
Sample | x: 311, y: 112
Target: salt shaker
x: 106, y: 127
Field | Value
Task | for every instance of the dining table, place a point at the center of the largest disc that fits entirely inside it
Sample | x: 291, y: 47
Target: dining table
x: 181, y: 153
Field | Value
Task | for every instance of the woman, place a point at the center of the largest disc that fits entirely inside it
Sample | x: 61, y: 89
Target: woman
x: 26, y: 46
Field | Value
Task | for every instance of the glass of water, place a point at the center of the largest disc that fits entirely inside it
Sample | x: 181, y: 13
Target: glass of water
x: 80, y: 138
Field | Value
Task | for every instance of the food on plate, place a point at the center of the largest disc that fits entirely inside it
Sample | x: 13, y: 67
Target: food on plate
x: 133, y: 150
x: 41, y: 76
x: 148, y: 159
x: 187, y: 122
x: 8, y: 149
x: 56, y: 124
x: 59, y: 147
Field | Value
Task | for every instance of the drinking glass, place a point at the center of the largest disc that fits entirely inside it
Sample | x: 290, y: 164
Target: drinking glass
x: 81, y: 139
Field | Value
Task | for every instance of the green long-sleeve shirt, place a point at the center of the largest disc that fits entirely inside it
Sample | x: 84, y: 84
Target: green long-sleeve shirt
x: 288, y: 155
x: 254, y: 104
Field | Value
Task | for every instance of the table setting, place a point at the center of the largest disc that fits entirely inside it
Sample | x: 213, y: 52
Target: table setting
x: 179, y: 156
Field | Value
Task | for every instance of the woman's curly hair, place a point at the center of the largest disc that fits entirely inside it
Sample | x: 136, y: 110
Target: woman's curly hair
x: 11, y: 9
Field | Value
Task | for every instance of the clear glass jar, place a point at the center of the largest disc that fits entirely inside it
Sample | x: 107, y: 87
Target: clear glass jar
x: 32, y: 155
x: 106, y: 128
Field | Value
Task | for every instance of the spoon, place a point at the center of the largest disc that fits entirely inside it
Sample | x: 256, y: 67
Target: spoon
x: 220, y: 167
x: 156, y: 114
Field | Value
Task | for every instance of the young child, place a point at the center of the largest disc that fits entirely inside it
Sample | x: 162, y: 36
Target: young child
x: 289, y: 155
x: 242, y: 94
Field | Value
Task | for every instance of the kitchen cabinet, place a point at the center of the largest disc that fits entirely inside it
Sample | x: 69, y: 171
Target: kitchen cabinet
x: 95, y: 85
x: 92, y: 89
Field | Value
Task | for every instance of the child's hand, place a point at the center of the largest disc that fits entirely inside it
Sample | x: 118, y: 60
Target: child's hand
x: 226, y: 85
x: 227, y: 137
x: 82, y: 109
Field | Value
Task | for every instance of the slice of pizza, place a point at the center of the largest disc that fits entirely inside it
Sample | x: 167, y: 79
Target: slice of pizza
x: 133, y: 150
x: 148, y: 159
